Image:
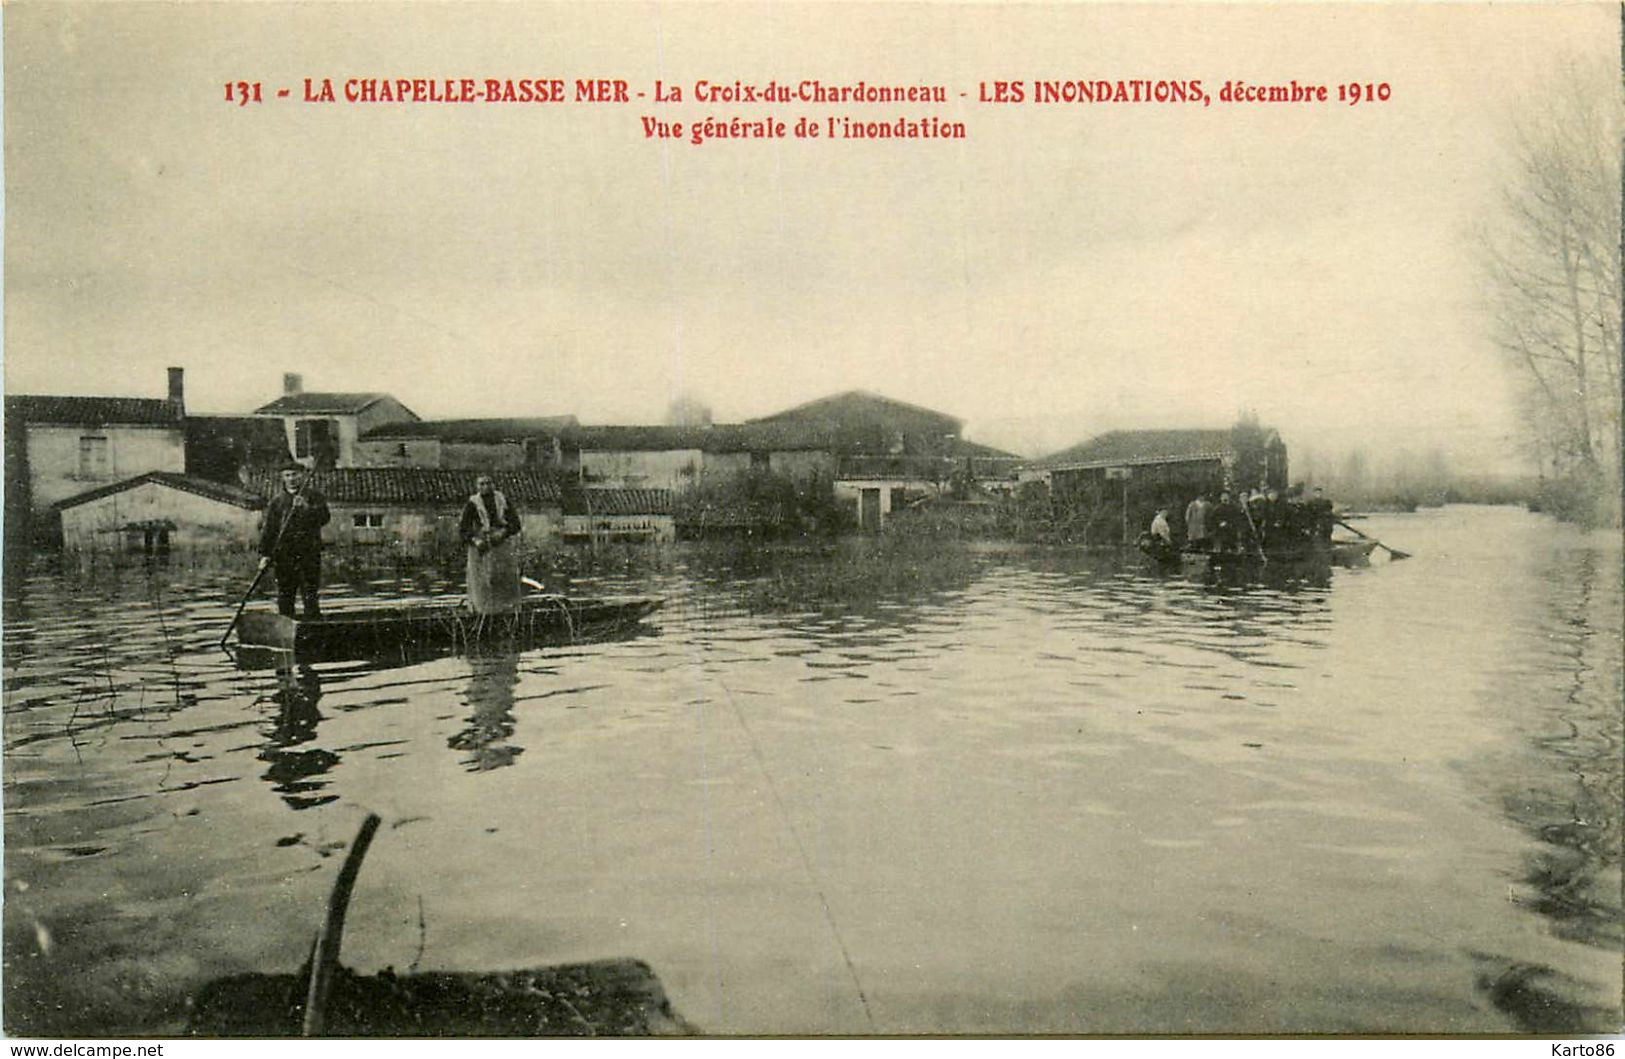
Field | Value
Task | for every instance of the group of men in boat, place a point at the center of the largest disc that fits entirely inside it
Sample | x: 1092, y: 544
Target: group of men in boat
x: 1262, y: 519
x: 291, y: 544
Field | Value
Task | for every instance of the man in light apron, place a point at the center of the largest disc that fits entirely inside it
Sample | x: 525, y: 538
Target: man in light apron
x: 489, y: 526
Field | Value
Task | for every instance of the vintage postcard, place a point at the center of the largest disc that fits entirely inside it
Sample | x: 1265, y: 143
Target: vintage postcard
x: 812, y: 519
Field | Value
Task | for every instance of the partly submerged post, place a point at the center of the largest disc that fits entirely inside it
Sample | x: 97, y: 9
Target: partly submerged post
x: 325, y: 959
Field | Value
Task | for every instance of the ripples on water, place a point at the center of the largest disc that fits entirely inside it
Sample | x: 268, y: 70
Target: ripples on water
x: 1043, y: 794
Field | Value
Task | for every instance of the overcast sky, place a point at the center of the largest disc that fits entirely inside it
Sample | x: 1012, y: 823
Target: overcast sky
x: 1064, y: 269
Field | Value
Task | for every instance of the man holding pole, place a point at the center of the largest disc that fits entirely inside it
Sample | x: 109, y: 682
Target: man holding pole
x: 291, y: 541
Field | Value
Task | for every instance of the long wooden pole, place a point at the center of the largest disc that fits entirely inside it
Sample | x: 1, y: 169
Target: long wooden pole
x: 259, y: 575
x: 325, y: 960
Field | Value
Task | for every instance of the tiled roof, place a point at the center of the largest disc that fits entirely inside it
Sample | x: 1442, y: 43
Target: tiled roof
x: 422, y: 486
x: 492, y: 430
x: 755, y: 436
x: 861, y: 405
x: 1127, y: 447
x: 220, y: 491
x: 316, y: 403
x: 981, y: 452
x: 93, y: 410
x: 617, y: 502
x: 773, y: 437
x: 924, y: 468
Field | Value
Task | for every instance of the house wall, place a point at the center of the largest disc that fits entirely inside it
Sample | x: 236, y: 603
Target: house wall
x: 674, y: 469
x: 382, y: 412
x: 199, y: 521
x: 349, y: 429
x: 892, y: 491
x: 725, y: 465
x: 53, y: 458
x: 454, y: 455
x: 419, y: 530
x: 483, y: 455
x: 795, y: 464
x: 344, y: 427
x: 407, y: 452
x: 802, y: 465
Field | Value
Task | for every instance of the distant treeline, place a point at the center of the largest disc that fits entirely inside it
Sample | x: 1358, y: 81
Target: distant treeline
x: 1406, y: 481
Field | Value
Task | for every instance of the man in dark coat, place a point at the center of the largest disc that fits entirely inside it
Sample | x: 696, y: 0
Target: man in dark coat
x: 291, y: 541
x: 1322, y: 514
x: 1226, y: 519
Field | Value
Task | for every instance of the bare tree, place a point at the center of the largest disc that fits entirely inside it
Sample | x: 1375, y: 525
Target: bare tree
x: 1554, y: 264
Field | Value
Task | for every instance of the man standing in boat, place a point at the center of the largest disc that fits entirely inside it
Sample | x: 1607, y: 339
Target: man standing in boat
x: 291, y: 541
x: 488, y: 527
x: 1196, y: 524
x: 1226, y: 519
x: 1322, y: 513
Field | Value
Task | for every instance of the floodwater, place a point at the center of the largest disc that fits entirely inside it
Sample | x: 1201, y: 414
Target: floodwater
x: 1048, y: 796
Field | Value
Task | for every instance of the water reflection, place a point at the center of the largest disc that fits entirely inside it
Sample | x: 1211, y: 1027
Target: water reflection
x: 1567, y: 793
x: 293, y: 773
x: 492, y: 676
x: 1029, y: 790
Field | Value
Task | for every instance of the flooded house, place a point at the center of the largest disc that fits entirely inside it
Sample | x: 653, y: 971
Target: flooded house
x: 641, y: 457
x: 512, y: 443
x: 678, y: 458
x: 323, y: 429
x: 888, y: 453
x: 59, y: 447
x: 609, y: 515
x: 1107, y: 489
x: 158, y: 511
x: 415, y: 511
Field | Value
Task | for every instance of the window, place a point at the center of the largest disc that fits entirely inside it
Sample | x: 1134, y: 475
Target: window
x: 317, y: 440
x: 93, y: 461
x: 368, y: 528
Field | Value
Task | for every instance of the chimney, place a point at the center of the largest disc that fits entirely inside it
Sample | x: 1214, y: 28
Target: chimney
x: 177, y: 390
x: 292, y: 383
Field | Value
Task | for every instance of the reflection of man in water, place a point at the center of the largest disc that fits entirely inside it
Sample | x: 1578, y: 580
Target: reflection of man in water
x: 488, y: 527
x: 292, y: 772
x: 491, y: 681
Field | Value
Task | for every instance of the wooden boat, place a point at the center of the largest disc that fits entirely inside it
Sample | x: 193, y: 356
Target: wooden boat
x: 362, y: 632
x: 1308, y: 553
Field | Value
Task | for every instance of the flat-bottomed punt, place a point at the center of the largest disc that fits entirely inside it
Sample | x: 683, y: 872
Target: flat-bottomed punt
x: 1310, y: 554
x: 370, y: 630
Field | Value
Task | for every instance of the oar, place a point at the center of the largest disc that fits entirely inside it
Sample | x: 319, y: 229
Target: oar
x: 259, y: 575
x: 1393, y: 553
